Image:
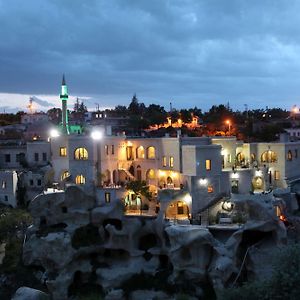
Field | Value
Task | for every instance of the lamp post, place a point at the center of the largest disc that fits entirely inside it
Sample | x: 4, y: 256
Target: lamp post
x: 229, y: 125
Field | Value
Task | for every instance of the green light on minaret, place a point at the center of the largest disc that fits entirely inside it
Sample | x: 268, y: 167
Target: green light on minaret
x: 64, y: 98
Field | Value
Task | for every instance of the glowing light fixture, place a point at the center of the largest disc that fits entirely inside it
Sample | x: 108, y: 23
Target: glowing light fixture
x: 235, y: 176
x: 187, y: 199
x: 203, y: 181
x: 96, y: 135
x: 54, y: 133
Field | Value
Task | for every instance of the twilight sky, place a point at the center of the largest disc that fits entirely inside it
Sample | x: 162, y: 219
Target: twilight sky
x: 188, y: 52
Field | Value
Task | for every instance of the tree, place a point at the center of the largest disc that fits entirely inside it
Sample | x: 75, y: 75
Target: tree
x: 140, y: 188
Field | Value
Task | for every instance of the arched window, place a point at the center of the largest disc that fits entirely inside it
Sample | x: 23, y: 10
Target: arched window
x: 150, y: 174
x: 81, y: 153
x: 269, y: 156
x: 140, y: 152
x: 64, y: 175
x: 80, y: 179
x: 253, y: 157
x: 289, y: 155
x: 240, y: 157
x: 151, y: 152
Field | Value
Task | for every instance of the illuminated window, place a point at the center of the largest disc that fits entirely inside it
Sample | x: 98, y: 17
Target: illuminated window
x: 208, y: 165
x: 210, y: 189
x: 289, y: 155
x: 253, y: 157
x: 106, y: 149
x: 107, y: 197
x: 64, y: 175
x: 80, y: 179
x: 151, y: 152
x: 269, y: 156
x: 164, y: 161
x: 140, y: 152
x: 4, y: 184
x: 228, y: 158
x: 81, y: 154
x: 276, y: 175
x: 171, y: 161
x: 240, y: 157
x: 129, y: 153
x: 62, y: 151
x: 150, y: 174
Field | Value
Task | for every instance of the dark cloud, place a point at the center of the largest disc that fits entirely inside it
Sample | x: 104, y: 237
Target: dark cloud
x: 41, y: 102
x: 193, y: 52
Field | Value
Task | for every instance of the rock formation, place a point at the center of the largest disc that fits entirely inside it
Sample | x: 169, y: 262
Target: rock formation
x: 77, y: 243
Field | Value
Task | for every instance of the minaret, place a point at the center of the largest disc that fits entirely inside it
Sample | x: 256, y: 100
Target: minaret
x: 64, y: 98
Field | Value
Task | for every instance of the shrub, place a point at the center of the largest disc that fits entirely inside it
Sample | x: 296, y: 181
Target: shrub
x: 283, y: 284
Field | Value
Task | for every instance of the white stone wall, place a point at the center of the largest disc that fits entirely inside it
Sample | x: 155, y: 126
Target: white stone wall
x: 8, y: 187
x: 40, y: 148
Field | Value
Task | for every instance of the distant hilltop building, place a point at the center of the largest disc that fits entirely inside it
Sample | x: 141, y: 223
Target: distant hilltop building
x: 177, y: 124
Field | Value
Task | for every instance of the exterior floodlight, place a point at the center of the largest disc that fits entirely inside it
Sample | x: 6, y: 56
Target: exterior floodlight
x: 96, y: 135
x: 203, y: 181
x: 54, y: 133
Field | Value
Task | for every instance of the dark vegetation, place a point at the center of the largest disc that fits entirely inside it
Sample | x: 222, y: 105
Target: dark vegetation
x: 283, y: 284
x: 13, y: 273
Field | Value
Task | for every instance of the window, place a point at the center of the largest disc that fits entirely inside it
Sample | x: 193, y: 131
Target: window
x: 129, y: 153
x: 140, y: 152
x: 6, y: 198
x: 208, y: 165
x: 210, y: 189
x: 164, y: 161
x: 80, y: 179
x: 20, y: 157
x: 31, y: 182
x: 7, y: 158
x: 150, y: 174
x: 44, y: 156
x: 228, y: 158
x: 81, y: 154
x: 269, y: 156
x: 112, y: 149
x: 171, y: 161
x: 39, y: 182
x: 107, y: 197
x: 3, y: 184
x: 106, y: 149
x: 253, y: 157
x: 289, y: 155
x: 276, y: 175
x: 296, y: 153
x: 151, y: 152
x: 36, y: 157
x: 64, y: 175
x: 63, y: 151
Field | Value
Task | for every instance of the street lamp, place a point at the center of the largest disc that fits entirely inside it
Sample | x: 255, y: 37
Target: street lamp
x: 96, y: 135
x: 54, y: 133
x: 229, y: 124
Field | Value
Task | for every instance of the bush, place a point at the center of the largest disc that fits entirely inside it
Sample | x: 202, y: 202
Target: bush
x: 283, y: 284
x: 12, y: 220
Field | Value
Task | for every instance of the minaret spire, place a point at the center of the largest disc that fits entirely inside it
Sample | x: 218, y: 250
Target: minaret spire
x: 64, y: 99
x: 63, y: 80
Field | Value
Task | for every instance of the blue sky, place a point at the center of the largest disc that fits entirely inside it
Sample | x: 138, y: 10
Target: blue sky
x: 193, y: 53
